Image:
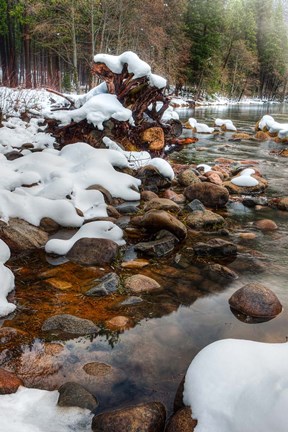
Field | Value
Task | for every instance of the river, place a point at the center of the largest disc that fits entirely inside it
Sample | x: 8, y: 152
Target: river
x: 150, y: 359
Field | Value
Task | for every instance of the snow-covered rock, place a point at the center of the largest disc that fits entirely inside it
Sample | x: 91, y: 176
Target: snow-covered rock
x: 237, y: 385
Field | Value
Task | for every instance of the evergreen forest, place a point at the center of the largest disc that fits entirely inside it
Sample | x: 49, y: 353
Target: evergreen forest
x: 233, y: 47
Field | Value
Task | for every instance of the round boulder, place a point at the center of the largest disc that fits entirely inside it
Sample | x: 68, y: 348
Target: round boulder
x: 93, y: 251
x: 255, y: 300
x: 266, y: 225
x: 182, y: 421
x: 73, y: 394
x: 210, y: 194
x: 148, y: 417
x: 139, y: 283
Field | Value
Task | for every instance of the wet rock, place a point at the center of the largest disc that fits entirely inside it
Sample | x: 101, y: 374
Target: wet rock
x: 252, y: 201
x: 151, y: 179
x: 265, y: 225
x: 105, y: 286
x: 97, y: 369
x: 148, y: 417
x: 12, y: 155
x: 247, y: 190
x: 217, y: 271
x: 188, y: 177
x: 181, y: 421
x: 162, y: 204
x: 195, y: 205
x: 93, y: 251
x: 213, y: 177
x: 9, y: 382
x: 140, y: 283
x: 132, y: 300
x: 211, y: 195
x: 53, y: 349
x: 204, y: 219
x: 134, y: 264
x: 118, y: 322
x: 73, y: 394
x: 255, y: 300
x: 158, y: 248
x: 8, y: 334
x: 173, y: 196
x: 178, y: 400
x: 248, y: 236
x: 70, y: 324
x: 215, y: 247
x: 59, y: 284
x: 154, y: 138
x: 20, y: 235
x: 157, y: 220
x: 280, y: 203
x: 147, y: 195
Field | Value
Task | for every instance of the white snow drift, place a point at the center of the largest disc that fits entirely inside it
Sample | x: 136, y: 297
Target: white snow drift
x: 237, y: 385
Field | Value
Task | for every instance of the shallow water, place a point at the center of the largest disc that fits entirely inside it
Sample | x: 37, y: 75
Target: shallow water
x: 167, y: 329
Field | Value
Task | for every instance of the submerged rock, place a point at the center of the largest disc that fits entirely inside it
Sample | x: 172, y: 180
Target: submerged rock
x: 74, y: 394
x: 106, y: 285
x: 255, y: 300
x: 70, y: 324
x: 215, y: 247
x: 148, y: 417
x: 266, y: 225
x: 140, y: 283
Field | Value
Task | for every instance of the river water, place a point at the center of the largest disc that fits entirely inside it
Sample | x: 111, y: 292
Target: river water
x: 150, y: 359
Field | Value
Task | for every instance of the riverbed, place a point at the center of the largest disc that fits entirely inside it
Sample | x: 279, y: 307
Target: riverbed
x: 149, y: 359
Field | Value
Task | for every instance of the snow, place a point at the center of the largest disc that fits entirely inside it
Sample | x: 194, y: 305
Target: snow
x: 32, y: 410
x: 163, y: 167
x: 99, y: 229
x: 135, y: 159
x: 135, y: 66
x: 7, y: 281
x: 96, y: 110
x: 238, y: 385
x: 200, y: 127
x: 205, y: 167
x: 227, y: 123
x: 273, y: 127
x: 245, y: 179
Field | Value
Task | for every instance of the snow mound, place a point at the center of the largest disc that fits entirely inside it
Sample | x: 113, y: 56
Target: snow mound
x: 200, y: 127
x: 99, y: 229
x: 228, y: 124
x: 32, y: 410
x: 237, y: 385
x: 7, y: 281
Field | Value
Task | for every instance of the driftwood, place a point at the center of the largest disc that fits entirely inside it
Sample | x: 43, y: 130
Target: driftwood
x: 137, y: 94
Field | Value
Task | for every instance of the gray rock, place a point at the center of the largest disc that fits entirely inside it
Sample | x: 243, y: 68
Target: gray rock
x: 195, y: 205
x: 215, y: 247
x: 158, y: 248
x: 108, y: 284
x: 148, y: 417
x: 72, y: 394
x: 70, y: 324
x: 93, y: 251
x: 132, y: 300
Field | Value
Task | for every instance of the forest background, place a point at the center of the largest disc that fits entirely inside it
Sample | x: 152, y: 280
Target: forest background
x: 234, y: 47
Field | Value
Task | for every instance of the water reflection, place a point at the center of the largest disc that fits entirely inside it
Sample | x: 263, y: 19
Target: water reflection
x: 148, y: 361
